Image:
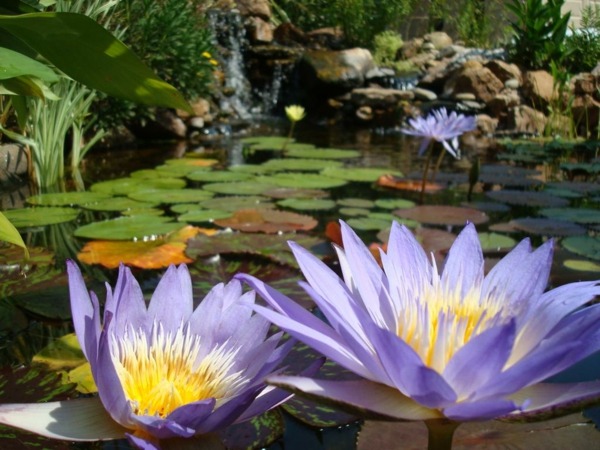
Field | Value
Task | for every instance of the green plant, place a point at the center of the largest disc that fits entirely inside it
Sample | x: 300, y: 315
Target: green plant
x: 385, y: 47
x: 539, y: 29
x: 583, y: 43
x: 172, y: 38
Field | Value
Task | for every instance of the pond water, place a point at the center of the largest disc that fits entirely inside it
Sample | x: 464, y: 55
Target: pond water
x: 301, y: 191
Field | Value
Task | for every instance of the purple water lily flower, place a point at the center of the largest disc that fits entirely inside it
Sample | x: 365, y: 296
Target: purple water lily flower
x: 441, y: 127
x: 454, y: 345
x: 165, y: 371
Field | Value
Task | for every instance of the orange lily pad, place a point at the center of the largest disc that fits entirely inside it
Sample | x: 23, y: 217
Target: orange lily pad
x: 390, y: 181
x: 145, y: 255
x: 267, y: 221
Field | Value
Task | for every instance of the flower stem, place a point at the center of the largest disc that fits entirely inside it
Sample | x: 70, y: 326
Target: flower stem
x: 289, y: 136
x: 426, y: 170
x: 437, y: 165
x: 440, y: 433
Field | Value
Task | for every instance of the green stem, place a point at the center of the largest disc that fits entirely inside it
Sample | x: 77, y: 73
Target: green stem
x: 425, y: 170
x: 440, y: 433
x: 437, y: 165
x: 289, y: 136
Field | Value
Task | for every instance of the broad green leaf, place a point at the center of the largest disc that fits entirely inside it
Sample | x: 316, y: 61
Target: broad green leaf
x: 359, y: 174
x: 88, y: 53
x: 9, y: 233
x: 66, y: 198
x: 142, y: 228
x: 14, y: 64
x: 37, y: 217
x: 307, y: 204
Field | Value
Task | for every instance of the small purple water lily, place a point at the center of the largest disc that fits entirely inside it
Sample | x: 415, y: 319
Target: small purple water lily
x: 441, y: 347
x: 441, y: 127
x: 164, y: 371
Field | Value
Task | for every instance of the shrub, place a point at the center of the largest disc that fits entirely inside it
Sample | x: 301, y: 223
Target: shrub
x: 583, y: 44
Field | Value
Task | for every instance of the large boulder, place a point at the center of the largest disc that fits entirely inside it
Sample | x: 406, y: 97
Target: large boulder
x: 474, y: 79
x: 258, y: 8
x: 538, y: 89
x: 525, y: 119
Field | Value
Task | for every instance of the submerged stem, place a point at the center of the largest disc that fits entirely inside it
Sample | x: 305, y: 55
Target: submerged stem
x: 426, y: 170
x: 440, y: 433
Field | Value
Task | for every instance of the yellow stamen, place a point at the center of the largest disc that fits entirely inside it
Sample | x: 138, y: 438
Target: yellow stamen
x: 163, y: 371
x: 441, y: 320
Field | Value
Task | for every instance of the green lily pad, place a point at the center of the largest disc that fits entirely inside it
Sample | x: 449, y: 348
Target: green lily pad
x: 250, y: 168
x: 239, y: 187
x: 217, y: 176
x: 287, y: 192
x: 266, y: 142
x: 495, y: 241
x: 151, y: 174
x: 128, y: 228
x: 583, y: 245
x: 234, y: 203
x: 354, y: 212
x: 170, y: 196
x: 259, y: 432
x: 204, y: 215
x: 37, y: 217
x: 548, y: 227
x: 181, y: 208
x: 63, y: 353
x: 119, y: 204
x: 394, y: 203
x: 303, y: 180
x: 300, y: 164
x: 192, y: 162
x: 578, y: 215
x: 527, y: 198
x: 307, y: 204
x: 359, y: 174
x: 368, y: 223
x: 356, y: 203
x: 143, y: 212
x: 581, y: 265
x: 125, y: 186
x: 66, y: 198
x: 176, y: 171
x: 323, y: 153
x: 565, y: 193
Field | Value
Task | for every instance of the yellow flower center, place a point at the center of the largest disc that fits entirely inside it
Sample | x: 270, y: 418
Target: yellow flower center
x: 163, y: 371
x: 442, y: 320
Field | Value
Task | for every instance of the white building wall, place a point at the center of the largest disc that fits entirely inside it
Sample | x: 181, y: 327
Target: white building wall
x: 576, y: 6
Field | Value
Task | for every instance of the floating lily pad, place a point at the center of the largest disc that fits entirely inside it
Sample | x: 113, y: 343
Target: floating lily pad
x: 508, y: 176
x: 62, y: 353
x: 204, y: 215
x: 259, y: 432
x: 488, y: 207
x: 175, y: 170
x: 394, y: 203
x: 124, y: 186
x: 581, y: 265
x: 583, y: 245
x: 218, y: 176
x: 584, y: 188
x: 359, y: 174
x: 527, y: 198
x: 141, y: 228
x: 119, y: 204
x: 266, y: 142
x: 307, y: 204
x: 303, y: 180
x: 285, y: 192
x: 354, y: 212
x: 356, y: 203
x: 250, y: 168
x: 564, y: 193
x: 300, y: 164
x: 239, y: 187
x: 272, y: 246
x: 150, y: 174
x: 548, y: 227
x: 234, y: 203
x: 495, y: 241
x: 170, y: 196
x: 368, y: 223
x: 152, y: 254
x: 578, y: 215
x: 37, y: 217
x: 193, y: 162
x: 66, y: 198
x: 142, y: 212
x: 323, y: 153
x: 267, y: 221
x: 406, y: 184
x: 443, y: 215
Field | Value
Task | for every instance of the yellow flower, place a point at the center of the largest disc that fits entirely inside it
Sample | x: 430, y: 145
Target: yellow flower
x: 207, y: 55
x: 295, y: 113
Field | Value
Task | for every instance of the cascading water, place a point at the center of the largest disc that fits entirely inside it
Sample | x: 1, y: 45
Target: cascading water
x: 230, y: 38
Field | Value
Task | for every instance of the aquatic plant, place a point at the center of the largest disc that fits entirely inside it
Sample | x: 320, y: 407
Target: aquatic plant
x: 443, y: 347
x: 164, y: 371
x: 294, y: 113
x: 439, y: 126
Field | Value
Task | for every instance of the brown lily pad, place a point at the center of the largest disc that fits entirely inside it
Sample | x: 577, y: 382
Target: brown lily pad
x: 405, y: 184
x: 527, y: 198
x: 443, y: 215
x: 548, y: 227
x: 267, y: 221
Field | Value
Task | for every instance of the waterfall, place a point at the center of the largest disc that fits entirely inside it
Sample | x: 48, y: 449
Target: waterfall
x: 230, y: 38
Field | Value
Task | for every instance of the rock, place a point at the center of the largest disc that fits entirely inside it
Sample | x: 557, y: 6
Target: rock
x: 465, y: 96
x: 486, y: 124
x: 513, y: 83
x: 410, y: 49
x: 424, y: 94
x: 439, y: 39
x: 327, y: 38
x: 586, y: 115
x: 596, y: 70
x: 258, y: 8
x: 13, y: 161
x: 364, y: 113
x: 501, y: 103
x: 201, y: 108
x: 504, y: 71
x: 585, y: 84
x: 196, y: 123
x: 428, y: 47
x: 376, y: 97
x: 525, y: 119
x: 259, y: 31
x: 166, y: 125
x: 338, y: 70
x: 474, y: 79
x: 538, y: 88
x: 289, y: 35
